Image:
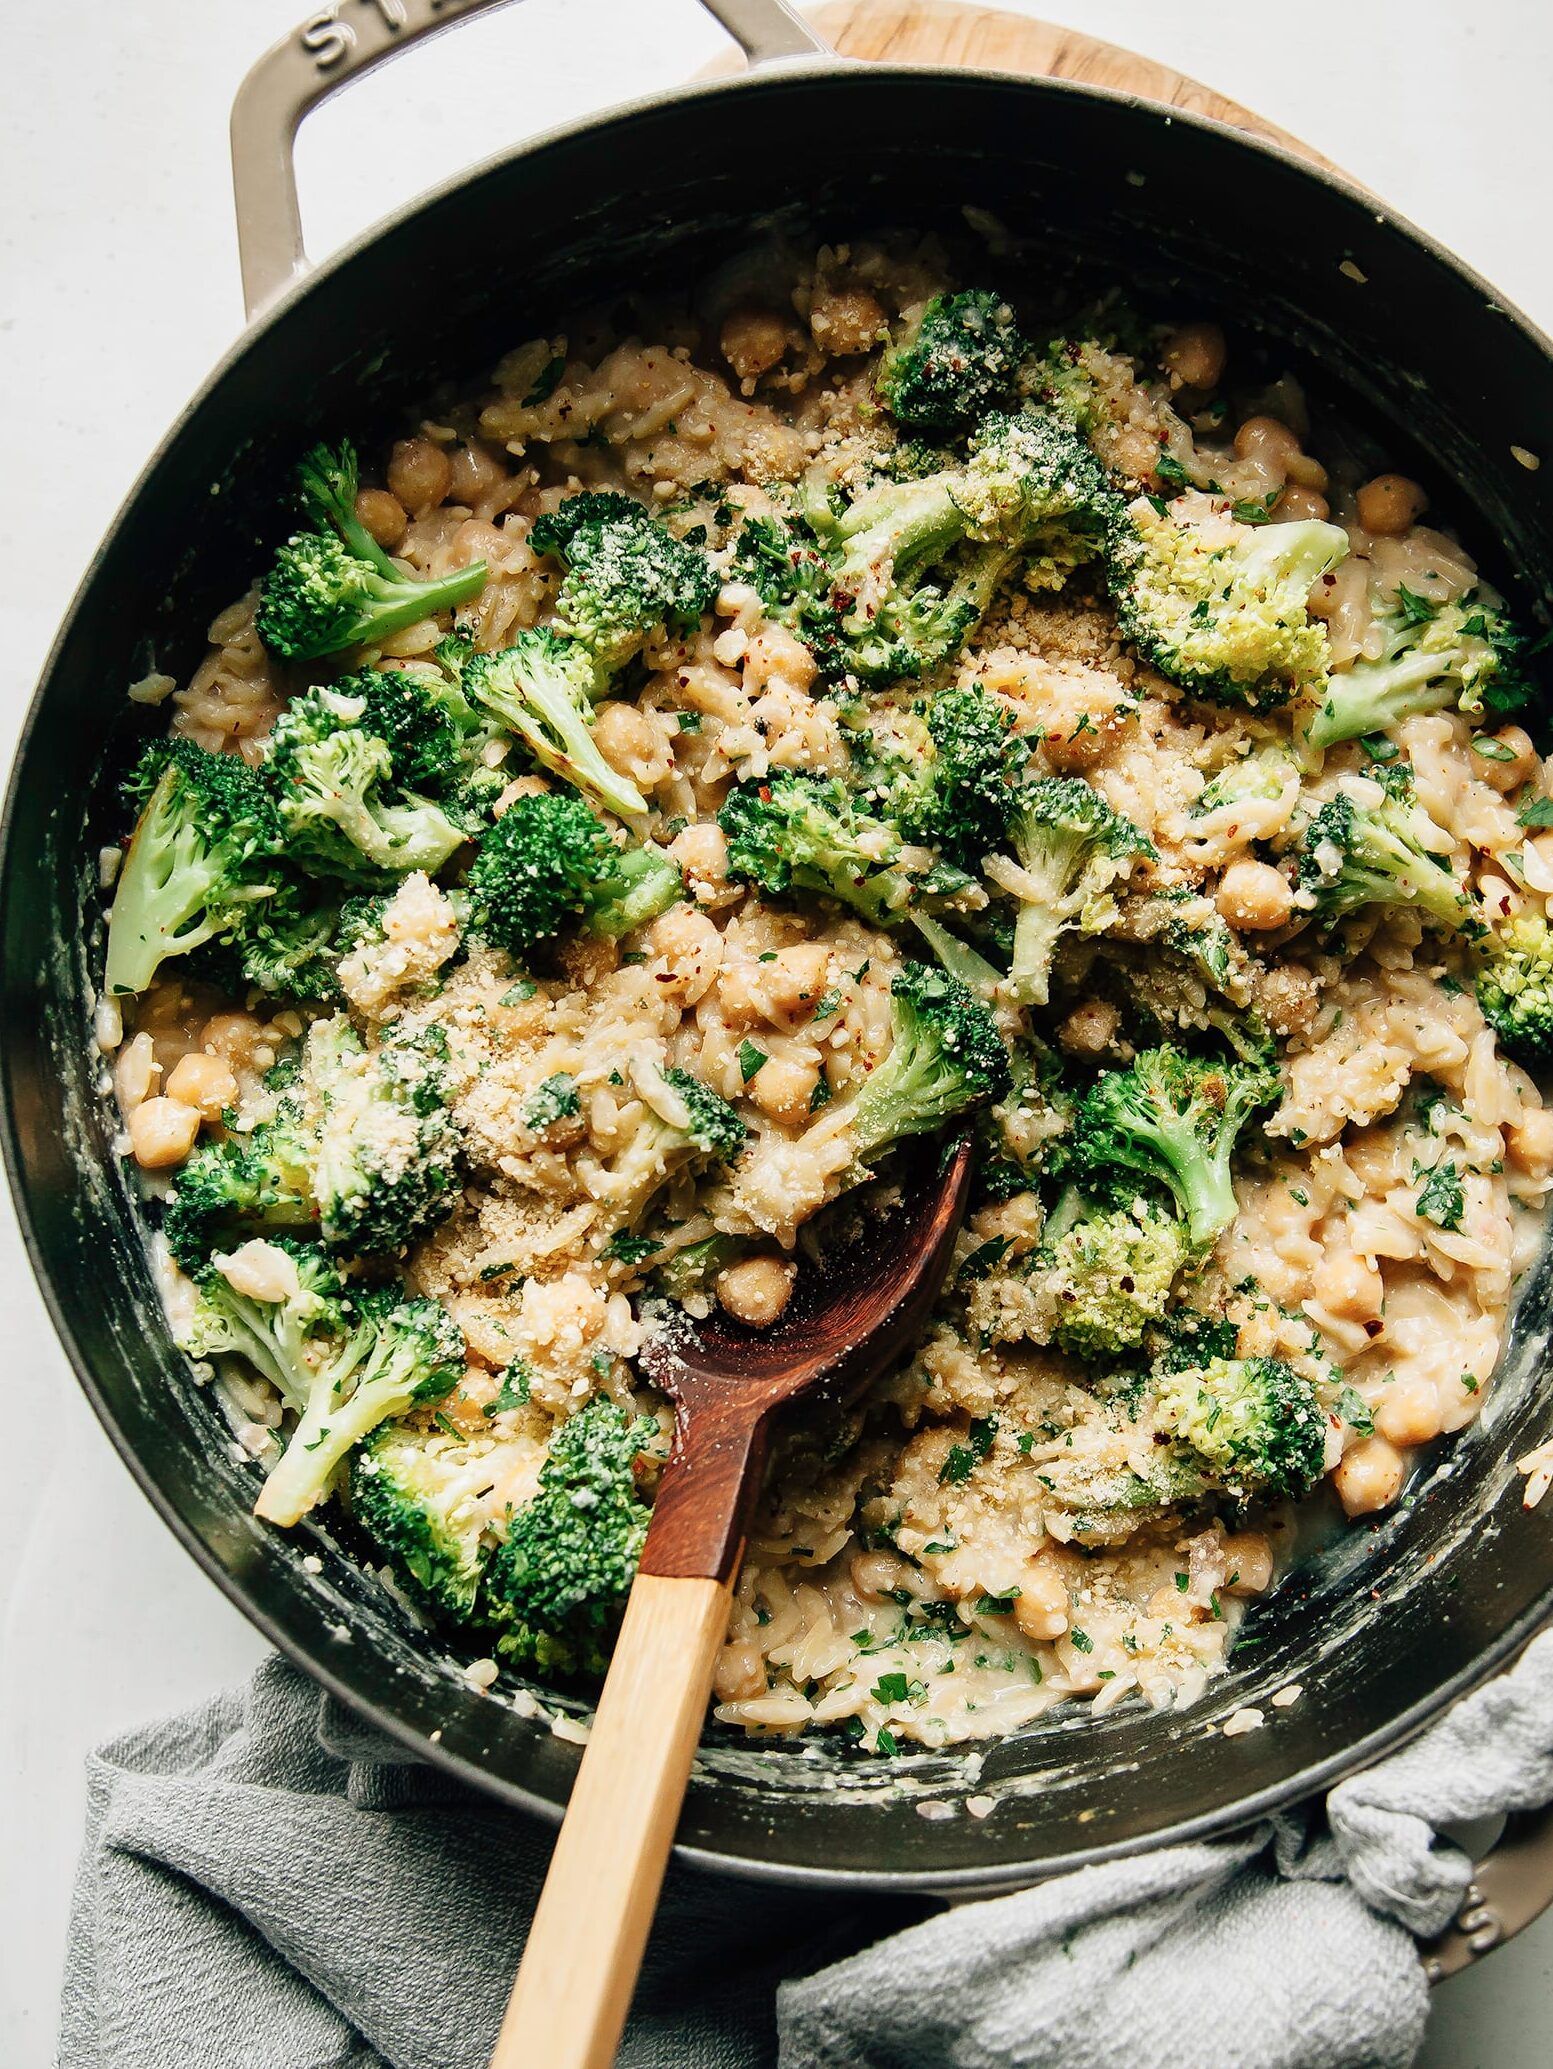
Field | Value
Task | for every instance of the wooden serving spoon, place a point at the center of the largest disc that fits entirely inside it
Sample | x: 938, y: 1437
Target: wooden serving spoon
x: 843, y: 1326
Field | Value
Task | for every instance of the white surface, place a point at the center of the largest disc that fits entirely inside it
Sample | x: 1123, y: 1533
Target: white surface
x: 118, y: 290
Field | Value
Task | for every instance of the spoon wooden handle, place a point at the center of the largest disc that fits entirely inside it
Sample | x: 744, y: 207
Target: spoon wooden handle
x: 569, y: 2003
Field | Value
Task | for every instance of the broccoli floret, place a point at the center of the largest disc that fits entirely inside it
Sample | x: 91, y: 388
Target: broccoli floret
x: 682, y: 1123
x: 790, y: 572
x: 1515, y: 988
x: 1173, y: 1120
x: 548, y: 863
x: 290, y: 944
x: 201, y: 856
x: 945, y: 771
x: 284, y: 1339
x: 541, y: 688
x: 434, y: 733
x: 340, y: 809
x: 693, y: 1266
x: 1112, y: 1271
x: 1189, y: 1337
x: 387, y: 1161
x: 627, y: 576
x: 1220, y: 607
x: 393, y: 1354
x: 1374, y: 844
x: 955, y: 358
x: 251, y: 1184
x: 334, y: 587
x: 1071, y: 847
x: 1258, y: 778
x: 1434, y: 655
x: 1255, y: 1422
x: 945, y: 1058
x: 556, y: 1586
x: 426, y: 1497
x: 794, y: 831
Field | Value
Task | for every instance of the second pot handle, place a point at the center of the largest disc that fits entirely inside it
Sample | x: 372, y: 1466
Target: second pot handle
x: 338, y: 44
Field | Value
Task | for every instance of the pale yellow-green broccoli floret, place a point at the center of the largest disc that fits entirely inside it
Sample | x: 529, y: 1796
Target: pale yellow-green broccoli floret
x: 1221, y: 607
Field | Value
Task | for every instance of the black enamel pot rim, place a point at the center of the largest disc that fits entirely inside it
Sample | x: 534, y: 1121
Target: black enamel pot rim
x: 829, y: 77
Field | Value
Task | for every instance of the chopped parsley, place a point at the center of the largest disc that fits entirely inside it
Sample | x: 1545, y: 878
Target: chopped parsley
x: 751, y: 1059
x: 556, y: 1100
x: 1442, y: 1199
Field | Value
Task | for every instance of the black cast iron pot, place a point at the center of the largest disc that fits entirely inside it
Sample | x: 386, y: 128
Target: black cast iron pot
x: 1393, y: 1619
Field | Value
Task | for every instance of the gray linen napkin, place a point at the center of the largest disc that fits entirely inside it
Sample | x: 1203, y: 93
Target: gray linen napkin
x: 267, y: 1885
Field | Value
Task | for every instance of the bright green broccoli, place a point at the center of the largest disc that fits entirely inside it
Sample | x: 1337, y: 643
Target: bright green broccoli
x: 953, y: 360
x: 283, y: 1339
x: 255, y: 1184
x: 342, y: 812
x: 1374, y: 844
x: 202, y: 855
x: 1111, y: 1271
x: 1255, y: 1423
x: 434, y: 733
x: 945, y: 1058
x: 786, y: 566
x: 1515, y: 988
x: 394, y: 1353
x: 682, y: 1123
x: 557, y: 1584
x: 541, y: 688
x: 627, y: 578
x: 333, y: 586
x: 426, y: 1497
x: 1172, y: 1120
x: 1070, y: 847
x: 946, y: 773
x: 386, y: 1166
x: 548, y: 863
x: 1220, y: 607
x: 1434, y: 655
x: 915, y: 564
x: 289, y: 945
x: 793, y: 831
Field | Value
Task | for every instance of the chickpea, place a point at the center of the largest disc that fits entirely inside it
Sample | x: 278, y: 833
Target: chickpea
x: 784, y: 1088
x: 686, y: 954
x: 1369, y: 1477
x: 752, y: 341
x: 1041, y: 1606
x: 204, y: 1082
x: 702, y: 853
x: 1270, y: 443
x: 1255, y: 896
x: 262, y: 1271
x: 1530, y: 1141
x: 1018, y: 1220
x: 1287, y: 998
x: 740, y: 1673
x: 476, y: 475
x: 774, y: 655
x: 235, y: 1037
x: 793, y: 982
x: 476, y: 540
x: 846, y: 321
x: 162, y: 1132
x: 1194, y: 356
x: 135, y: 1073
x: 756, y: 1289
x: 1348, y: 1285
x: 420, y: 474
x: 1519, y: 766
x: 1090, y: 1029
x: 627, y: 738
x: 1408, y: 1412
x: 1248, y: 1562
x: 383, y: 515
x: 1390, y: 504
x: 1297, y: 503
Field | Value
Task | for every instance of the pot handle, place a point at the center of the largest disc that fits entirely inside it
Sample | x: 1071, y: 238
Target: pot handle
x: 338, y: 44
